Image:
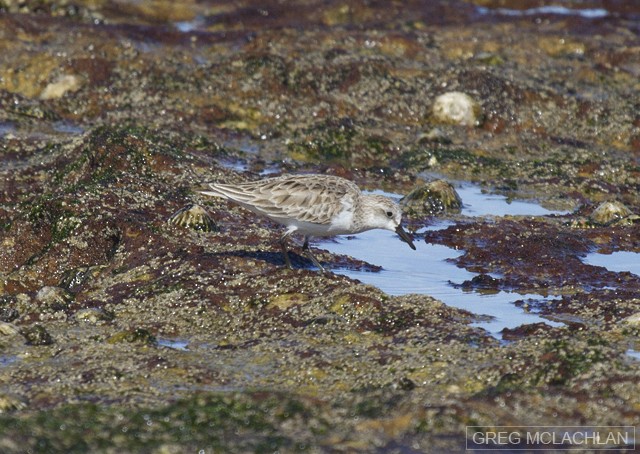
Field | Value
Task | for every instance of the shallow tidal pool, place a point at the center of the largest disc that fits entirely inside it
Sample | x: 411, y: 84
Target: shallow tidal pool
x: 430, y: 269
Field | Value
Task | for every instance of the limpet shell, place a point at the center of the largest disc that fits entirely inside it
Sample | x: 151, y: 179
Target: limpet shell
x: 194, y: 217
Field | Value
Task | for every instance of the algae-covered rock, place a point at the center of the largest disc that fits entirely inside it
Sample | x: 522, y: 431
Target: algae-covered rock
x: 93, y: 315
x: 36, y: 335
x: 341, y: 142
x: 431, y: 199
x: 609, y: 212
x: 133, y: 336
x: 8, y: 308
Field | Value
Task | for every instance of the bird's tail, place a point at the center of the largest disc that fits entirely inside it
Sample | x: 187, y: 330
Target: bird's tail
x: 214, y: 191
x: 227, y: 192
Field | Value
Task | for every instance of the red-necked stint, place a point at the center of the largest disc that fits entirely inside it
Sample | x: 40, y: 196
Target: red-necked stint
x: 315, y: 205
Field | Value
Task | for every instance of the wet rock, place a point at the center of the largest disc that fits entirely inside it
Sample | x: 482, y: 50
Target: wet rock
x: 404, y: 384
x: 36, y: 335
x: 8, y: 308
x: 434, y: 197
x: 8, y: 314
x: 482, y: 282
x: 609, y: 212
x: 342, y: 99
x: 194, y: 217
x: 531, y: 329
x: 435, y: 135
x: 456, y: 108
x: 526, y: 253
x: 74, y: 278
x: 137, y: 336
x: 55, y: 298
x: 93, y: 315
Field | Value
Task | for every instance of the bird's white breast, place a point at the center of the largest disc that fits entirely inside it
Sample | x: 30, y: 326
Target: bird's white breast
x: 341, y: 223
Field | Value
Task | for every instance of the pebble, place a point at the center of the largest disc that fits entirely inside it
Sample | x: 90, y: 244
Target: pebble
x: 456, y: 108
x: 93, y: 316
x: 56, y: 298
x: 60, y: 87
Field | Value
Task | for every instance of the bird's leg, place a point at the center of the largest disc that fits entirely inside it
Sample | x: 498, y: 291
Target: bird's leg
x: 283, y: 245
x: 307, y: 251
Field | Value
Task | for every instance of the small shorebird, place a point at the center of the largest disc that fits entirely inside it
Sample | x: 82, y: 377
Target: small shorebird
x: 314, y: 205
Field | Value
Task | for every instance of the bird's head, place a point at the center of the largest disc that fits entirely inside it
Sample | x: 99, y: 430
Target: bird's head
x: 384, y: 213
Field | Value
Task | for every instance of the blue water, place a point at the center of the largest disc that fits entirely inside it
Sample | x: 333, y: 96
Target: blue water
x: 588, y: 13
x: 633, y: 354
x: 477, y: 203
x: 617, y: 262
x: 430, y: 269
x: 6, y: 128
x: 174, y: 344
x: 6, y: 360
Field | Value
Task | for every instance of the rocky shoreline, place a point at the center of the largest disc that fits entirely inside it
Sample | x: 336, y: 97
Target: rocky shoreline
x: 121, y: 332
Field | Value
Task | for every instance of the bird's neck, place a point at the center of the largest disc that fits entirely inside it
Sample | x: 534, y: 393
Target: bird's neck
x: 363, y: 210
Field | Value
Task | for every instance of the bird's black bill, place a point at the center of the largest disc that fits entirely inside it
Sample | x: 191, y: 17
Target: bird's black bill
x: 404, y: 236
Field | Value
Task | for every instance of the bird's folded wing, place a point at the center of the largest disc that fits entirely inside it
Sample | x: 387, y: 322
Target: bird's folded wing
x: 291, y: 199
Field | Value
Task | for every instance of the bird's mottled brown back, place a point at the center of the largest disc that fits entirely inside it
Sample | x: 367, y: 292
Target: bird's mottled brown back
x: 309, y: 198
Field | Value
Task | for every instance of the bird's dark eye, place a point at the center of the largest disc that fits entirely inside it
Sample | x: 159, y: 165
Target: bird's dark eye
x: 389, y: 214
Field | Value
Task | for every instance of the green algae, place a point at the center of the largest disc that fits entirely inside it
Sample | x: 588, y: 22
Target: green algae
x: 210, y: 422
x: 329, y: 141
